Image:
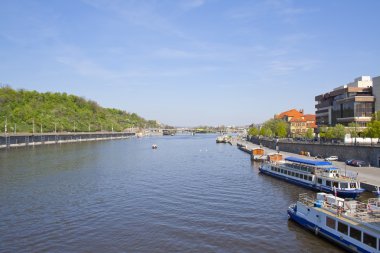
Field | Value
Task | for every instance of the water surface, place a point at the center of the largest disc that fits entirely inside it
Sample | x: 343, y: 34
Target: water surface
x: 189, y: 195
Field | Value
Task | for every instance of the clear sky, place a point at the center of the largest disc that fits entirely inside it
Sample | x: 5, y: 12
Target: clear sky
x: 190, y: 62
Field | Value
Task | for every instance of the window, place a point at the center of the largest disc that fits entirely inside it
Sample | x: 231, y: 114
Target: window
x: 352, y: 185
x: 343, y: 228
x: 328, y: 183
x: 319, y: 180
x: 297, y: 175
x: 343, y: 185
x: 309, y: 178
x: 336, y: 184
x: 282, y: 171
x: 355, y: 233
x: 330, y: 222
x: 370, y: 240
x: 292, y: 174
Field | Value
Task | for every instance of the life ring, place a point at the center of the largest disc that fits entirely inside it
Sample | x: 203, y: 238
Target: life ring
x: 316, y: 230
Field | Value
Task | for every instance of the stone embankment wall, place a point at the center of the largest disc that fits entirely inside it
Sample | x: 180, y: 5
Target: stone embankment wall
x: 21, y: 140
x: 368, y: 153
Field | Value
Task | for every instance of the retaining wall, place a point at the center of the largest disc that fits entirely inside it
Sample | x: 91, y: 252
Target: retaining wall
x: 20, y: 140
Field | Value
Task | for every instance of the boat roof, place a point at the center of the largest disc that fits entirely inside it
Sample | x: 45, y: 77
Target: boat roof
x: 309, y: 162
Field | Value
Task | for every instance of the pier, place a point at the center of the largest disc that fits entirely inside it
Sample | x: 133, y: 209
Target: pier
x: 367, y: 176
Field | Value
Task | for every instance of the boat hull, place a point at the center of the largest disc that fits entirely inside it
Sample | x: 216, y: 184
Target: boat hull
x: 292, y: 214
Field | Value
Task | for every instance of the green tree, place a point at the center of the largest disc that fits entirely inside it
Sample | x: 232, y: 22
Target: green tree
x: 309, y: 133
x: 353, y: 127
x: 339, y: 131
x: 373, y: 129
x: 281, y: 129
x: 48, y: 109
x: 278, y: 127
x: 253, y: 131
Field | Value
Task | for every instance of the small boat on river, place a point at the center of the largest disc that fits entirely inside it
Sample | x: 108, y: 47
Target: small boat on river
x: 258, y: 154
x: 351, y: 224
x: 154, y: 146
x: 315, y: 175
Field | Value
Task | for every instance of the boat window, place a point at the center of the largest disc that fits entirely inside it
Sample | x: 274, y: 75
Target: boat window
x: 355, y: 233
x: 310, y: 178
x: 330, y: 222
x: 297, y: 175
x: 319, y: 180
x: 292, y: 173
x: 343, y: 228
x: 352, y: 185
x: 328, y: 183
x: 336, y: 184
x: 370, y: 240
x: 343, y: 185
x: 282, y: 171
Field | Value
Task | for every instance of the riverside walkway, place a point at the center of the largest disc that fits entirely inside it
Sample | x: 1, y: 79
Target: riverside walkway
x: 369, y: 177
x: 29, y: 139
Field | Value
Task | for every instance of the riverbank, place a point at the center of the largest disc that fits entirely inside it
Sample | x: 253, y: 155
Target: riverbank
x: 367, y: 176
x: 24, y: 140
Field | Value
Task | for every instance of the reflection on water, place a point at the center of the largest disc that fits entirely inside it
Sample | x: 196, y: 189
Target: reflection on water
x: 189, y: 195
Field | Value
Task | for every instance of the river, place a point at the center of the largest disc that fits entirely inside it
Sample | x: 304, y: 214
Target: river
x: 189, y: 195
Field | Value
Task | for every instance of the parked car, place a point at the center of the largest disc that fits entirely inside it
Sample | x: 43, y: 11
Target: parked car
x: 359, y: 163
x: 319, y: 156
x: 349, y: 162
x: 331, y: 158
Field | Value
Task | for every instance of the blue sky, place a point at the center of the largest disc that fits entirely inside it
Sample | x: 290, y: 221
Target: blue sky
x: 190, y: 62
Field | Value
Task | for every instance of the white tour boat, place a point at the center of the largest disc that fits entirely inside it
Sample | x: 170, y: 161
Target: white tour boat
x: 351, y: 224
x: 315, y: 175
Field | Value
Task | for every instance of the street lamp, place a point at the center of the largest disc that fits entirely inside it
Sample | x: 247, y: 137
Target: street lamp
x: 5, y: 125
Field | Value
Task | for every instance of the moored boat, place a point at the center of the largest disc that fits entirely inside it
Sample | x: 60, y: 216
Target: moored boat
x: 258, y: 154
x: 154, y: 146
x: 351, y: 224
x: 315, y: 175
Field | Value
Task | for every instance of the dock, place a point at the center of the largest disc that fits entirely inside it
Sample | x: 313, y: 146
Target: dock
x: 369, y: 177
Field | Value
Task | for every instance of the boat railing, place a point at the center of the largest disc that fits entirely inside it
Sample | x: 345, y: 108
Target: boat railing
x: 352, y: 210
x: 336, y: 176
x: 306, y: 199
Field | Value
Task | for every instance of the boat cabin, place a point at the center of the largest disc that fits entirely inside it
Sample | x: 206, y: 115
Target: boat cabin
x: 258, y: 152
x: 274, y: 157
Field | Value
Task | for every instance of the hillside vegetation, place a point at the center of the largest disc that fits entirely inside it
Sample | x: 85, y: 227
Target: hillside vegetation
x: 61, y: 111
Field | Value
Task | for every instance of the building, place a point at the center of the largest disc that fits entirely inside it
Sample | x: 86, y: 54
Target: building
x: 376, y: 92
x: 353, y: 102
x: 288, y: 115
x: 298, y: 122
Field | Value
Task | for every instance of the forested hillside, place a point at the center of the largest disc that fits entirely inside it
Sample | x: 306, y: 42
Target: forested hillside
x: 20, y: 108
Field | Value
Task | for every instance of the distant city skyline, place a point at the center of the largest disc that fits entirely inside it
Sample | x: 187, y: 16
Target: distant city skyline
x: 190, y: 62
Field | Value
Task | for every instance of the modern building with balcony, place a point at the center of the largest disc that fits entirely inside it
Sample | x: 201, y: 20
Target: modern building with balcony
x: 350, y: 103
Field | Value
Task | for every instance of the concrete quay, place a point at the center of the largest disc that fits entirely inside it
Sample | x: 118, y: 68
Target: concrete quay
x: 24, y: 140
x: 369, y: 177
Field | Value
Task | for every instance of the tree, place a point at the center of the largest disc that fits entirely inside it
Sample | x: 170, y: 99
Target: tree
x: 253, y: 131
x: 373, y: 129
x: 281, y: 129
x: 309, y: 133
x: 353, y: 129
x: 339, y: 131
x: 278, y: 127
